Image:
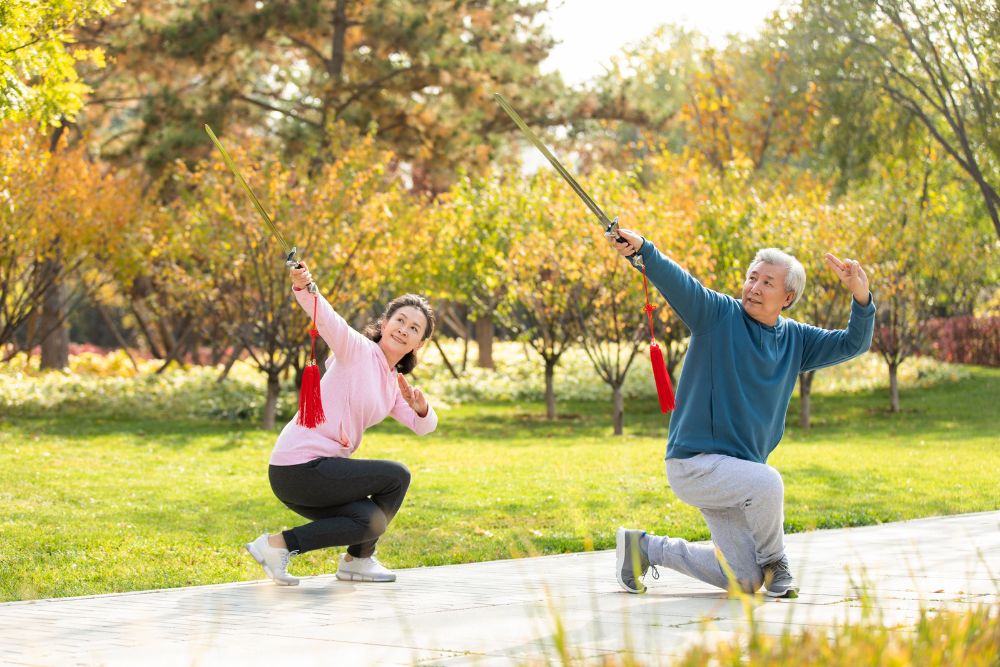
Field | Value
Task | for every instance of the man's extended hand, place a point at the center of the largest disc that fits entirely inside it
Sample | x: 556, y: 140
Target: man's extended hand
x: 413, y: 396
x: 852, y: 275
x: 632, y: 245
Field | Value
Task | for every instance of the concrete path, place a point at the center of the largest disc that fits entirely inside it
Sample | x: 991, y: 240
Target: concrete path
x: 505, y: 612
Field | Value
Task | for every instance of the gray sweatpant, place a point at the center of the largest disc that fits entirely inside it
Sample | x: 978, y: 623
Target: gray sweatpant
x: 743, y: 505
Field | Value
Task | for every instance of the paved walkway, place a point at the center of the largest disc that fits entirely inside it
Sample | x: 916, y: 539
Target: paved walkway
x: 504, y: 612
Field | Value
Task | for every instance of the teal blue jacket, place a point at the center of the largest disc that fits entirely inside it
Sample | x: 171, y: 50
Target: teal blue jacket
x: 739, y: 374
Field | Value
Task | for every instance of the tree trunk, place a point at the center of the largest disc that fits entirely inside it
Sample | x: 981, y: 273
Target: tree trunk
x: 805, y: 398
x: 893, y: 387
x: 465, y: 345
x: 484, y: 339
x: 550, y: 392
x: 335, y: 66
x: 146, y: 330
x: 233, y: 358
x: 444, y: 358
x: 271, y: 404
x: 55, y: 346
x: 619, y: 410
x: 177, y: 350
x: 113, y: 328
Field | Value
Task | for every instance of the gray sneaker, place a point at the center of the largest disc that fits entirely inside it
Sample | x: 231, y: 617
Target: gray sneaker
x: 778, y: 580
x: 273, y: 560
x: 632, y: 564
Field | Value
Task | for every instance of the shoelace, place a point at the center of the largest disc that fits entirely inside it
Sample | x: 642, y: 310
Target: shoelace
x: 286, y: 558
x: 656, y: 573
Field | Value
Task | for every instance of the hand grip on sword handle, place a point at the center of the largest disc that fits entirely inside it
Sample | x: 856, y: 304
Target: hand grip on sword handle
x: 611, y: 231
x: 292, y: 262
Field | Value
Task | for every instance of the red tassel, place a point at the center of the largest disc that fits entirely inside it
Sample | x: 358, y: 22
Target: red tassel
x: 310, y: 406
x: 310, y: 400
x: 663, y: 389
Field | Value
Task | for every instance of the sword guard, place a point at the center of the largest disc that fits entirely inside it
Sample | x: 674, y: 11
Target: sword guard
x: 611, y: 231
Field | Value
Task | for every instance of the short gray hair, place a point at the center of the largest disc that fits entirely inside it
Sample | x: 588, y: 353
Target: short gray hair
x: 795, y: 274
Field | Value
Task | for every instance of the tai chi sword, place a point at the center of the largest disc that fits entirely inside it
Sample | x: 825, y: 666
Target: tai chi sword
x: 610, y: 226
x: 290, y: 250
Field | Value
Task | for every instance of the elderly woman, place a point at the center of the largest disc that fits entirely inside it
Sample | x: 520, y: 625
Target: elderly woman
x: 738, y: 377
x: 348, y: 501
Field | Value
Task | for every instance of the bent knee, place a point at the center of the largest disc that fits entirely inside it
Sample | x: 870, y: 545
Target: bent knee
x: 400, y: 472
x: 377, y: 521
x: 771, y: 483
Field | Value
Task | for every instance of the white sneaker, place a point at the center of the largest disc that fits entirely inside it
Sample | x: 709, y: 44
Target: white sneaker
x: 363, y: 569
x: 274, y: 560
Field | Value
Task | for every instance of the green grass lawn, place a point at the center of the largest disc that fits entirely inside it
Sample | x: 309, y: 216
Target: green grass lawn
x: 104, y: 505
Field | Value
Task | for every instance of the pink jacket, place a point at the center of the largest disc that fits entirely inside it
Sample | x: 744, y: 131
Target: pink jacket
x: 358, y: 389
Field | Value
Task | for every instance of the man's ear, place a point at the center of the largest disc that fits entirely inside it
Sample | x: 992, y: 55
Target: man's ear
x: 788, y: 300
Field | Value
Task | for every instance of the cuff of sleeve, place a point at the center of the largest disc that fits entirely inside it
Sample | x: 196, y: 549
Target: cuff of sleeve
x: 428, y: 420
x: 647, y: 248
x: 864, y: 310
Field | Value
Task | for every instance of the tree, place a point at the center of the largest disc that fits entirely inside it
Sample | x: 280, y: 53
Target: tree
x: 749, y: 101
x: 612, y: 325
x: 52, y: 203
x: 936, y: 60
x: 923, y: 259
x: 38, y: 77
x: 421, y: 74
x: 480, y: 228
x: 632, y: 108
x: 548, y: 273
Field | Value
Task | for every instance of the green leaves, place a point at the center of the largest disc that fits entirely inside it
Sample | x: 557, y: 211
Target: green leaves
x: 38, y: 77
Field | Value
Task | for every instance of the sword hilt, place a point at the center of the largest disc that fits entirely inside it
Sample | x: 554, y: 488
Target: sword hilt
x: 292, y: 262
x: 611, y: 231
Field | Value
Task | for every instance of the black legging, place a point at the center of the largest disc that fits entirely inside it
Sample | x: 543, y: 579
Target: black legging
x: 350, y: 501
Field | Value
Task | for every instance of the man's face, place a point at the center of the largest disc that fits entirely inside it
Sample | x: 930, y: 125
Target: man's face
x: 764, y: 293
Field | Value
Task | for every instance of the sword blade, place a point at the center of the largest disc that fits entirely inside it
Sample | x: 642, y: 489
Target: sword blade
x: 253, y: 198
x: 533, y: 138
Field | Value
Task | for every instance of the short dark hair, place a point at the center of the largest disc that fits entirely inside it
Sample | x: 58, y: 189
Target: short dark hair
x: 374, y: 328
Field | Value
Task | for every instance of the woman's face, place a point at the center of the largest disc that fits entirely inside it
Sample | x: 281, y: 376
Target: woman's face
x: 403, y: 331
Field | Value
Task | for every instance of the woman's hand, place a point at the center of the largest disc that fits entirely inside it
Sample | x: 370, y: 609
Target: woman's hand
x: 301, y: 278
x: 413, y: 396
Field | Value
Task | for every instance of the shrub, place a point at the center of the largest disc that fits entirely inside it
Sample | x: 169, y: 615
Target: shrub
x: 964, y: 340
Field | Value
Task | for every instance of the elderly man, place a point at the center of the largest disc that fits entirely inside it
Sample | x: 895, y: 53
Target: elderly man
x: 738, y: 377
